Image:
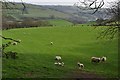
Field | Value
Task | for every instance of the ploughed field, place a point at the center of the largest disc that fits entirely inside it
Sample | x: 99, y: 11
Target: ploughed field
x: 36, y: 56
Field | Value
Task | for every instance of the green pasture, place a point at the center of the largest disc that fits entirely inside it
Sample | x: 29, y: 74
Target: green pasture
x: 78, y: 43
x: 60, y: 22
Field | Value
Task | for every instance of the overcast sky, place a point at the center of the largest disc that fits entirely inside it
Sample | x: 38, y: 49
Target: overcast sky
x: 56, y: 2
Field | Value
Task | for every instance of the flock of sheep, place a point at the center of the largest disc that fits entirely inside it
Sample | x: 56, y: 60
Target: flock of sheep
x: 98, y: 59
x: 94, y: 60
x: 59, y: 62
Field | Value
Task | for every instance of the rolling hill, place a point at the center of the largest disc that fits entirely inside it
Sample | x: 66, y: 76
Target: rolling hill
x: 78, y: 43
x: 70, y: 13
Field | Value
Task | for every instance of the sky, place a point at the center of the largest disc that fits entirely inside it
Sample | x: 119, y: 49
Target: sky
x: 57, y: 2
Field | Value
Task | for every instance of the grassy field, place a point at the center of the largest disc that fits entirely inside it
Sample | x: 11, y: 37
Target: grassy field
x: 78, y: 43
x: 60, y: 22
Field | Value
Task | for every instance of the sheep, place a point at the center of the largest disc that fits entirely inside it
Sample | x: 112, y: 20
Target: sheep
x: 58, y: 58
x: 80, y: 65
x: 56, y: 63
x: 103, y: 59
x: 95, y: 59
x: 19, y: 40
x: 59, y: 63
x: 51, y: 43
x: 14, y: 43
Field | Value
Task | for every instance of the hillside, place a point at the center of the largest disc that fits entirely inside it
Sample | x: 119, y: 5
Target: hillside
x: 70, y: 13
x: 80, y: 12
x: 36, y: 55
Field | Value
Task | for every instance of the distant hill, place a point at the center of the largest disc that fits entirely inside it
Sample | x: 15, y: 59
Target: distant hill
x: 70, y: 13
x: 81, y: 12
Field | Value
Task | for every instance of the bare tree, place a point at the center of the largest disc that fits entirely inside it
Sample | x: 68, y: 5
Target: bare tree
x: 114, y: 23
x: 6, y: 4
x: 94, y: 5
x: 4, y: 46
x: 11, y: 5
x: 114, y: 10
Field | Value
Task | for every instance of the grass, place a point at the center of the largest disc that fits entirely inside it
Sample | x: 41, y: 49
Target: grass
x: 36, y: 55
x: 60, y: 22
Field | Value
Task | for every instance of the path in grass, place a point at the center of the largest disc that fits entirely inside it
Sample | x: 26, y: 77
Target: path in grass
x: 82, y: 74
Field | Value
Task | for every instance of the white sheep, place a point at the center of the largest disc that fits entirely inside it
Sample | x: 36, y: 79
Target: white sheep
x: 51, y: 43
x: 59, y: 63
x: 58, y: 58
x: 80, y: 65
x: 56, y: 63
x: 19, y: 40
x: 14, y: 43
x: 103, y: 59
x: 95, y: 59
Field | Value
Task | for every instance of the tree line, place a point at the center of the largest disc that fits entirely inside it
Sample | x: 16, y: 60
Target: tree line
x: 24, y: 24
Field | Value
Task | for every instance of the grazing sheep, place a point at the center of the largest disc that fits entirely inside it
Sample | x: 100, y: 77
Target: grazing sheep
x: 103, y: 59
x: 51, y: 43
x: 56, y: 63
x: 14, y: 43
x: 95, y: 59
x: 59, y: 63
x: 80, y: 65
x: 19, y: 40
x: 58, y: 58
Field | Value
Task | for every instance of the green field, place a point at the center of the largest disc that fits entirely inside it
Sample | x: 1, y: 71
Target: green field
x: 78, y: 43
x: 60, y: 22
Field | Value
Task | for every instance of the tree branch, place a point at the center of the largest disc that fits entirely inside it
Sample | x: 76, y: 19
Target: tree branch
x: 9, y: 39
